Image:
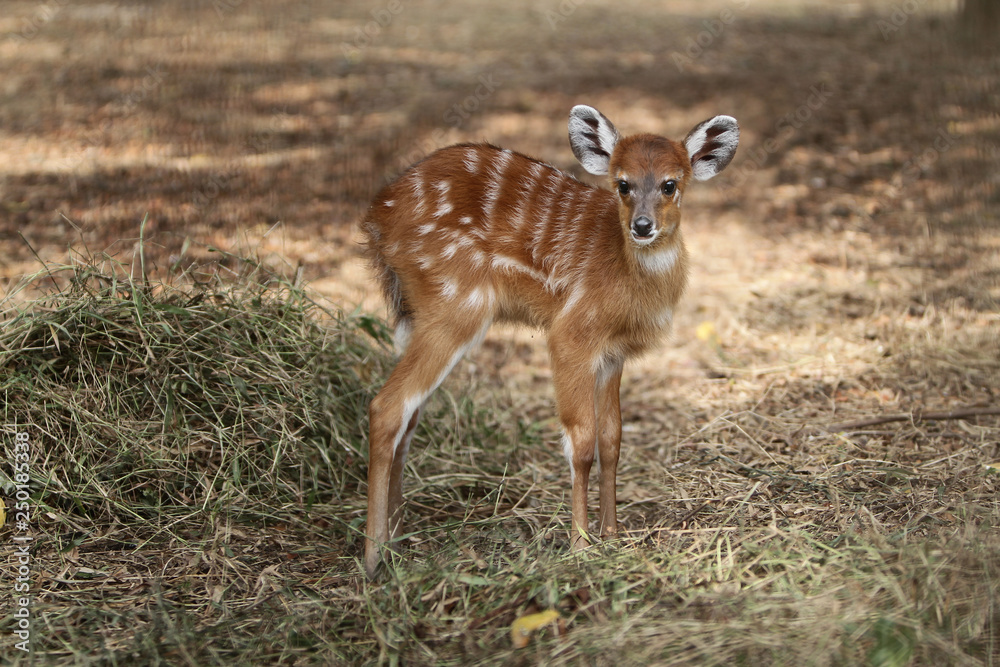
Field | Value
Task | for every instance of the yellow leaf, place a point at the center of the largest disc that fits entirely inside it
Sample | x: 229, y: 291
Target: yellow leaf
x: 521, y: 629
x: 992, y: 467
x: 3, y: 513
x: 706, y: 332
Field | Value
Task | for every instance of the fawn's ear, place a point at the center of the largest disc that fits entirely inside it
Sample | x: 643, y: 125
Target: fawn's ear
x: 592, y: 138
x: 711, y: 145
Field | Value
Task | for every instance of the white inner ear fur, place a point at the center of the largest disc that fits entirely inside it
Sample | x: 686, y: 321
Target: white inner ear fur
x: 719, y: 154
x: 592, y: 145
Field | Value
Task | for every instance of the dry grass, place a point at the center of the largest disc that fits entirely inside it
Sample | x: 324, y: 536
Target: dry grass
x: 199, y: 471
x: 200, y: 493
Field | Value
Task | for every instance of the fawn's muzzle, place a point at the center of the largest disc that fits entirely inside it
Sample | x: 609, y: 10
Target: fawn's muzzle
x: 642, y: 228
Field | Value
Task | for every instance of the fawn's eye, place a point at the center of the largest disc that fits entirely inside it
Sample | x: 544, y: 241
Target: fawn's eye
x: 669, y: 187
x: 623, y: 188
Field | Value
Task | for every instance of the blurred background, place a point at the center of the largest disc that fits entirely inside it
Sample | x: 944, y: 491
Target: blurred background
x: 863, y: 195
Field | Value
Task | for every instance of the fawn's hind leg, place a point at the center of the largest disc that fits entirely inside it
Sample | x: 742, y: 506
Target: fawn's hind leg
x: 431, y: 354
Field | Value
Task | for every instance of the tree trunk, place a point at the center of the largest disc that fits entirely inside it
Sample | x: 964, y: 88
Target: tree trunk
x: 981, y: 17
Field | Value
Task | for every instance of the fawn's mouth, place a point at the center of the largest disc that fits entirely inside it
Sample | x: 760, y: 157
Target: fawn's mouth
x: 644, y: 237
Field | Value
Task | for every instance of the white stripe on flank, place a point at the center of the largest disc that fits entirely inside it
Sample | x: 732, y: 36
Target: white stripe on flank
x: 492, y: 194
x: 659, y: 262
x: 418, y: 192
x: 444, y: 206
x: 502, y: 262
x: 471, y: 160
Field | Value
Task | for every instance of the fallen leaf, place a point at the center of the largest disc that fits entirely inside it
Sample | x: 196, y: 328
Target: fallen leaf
x: 521, y: 629
x: 706, y: 332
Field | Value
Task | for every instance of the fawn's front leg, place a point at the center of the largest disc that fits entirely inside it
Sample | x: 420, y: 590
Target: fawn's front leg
x: 575, y: 383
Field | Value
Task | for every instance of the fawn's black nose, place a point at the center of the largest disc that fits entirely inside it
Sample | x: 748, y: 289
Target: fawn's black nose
x: 642, y: 227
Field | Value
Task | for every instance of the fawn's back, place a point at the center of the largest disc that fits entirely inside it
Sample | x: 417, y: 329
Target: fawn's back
x: 475, y: 230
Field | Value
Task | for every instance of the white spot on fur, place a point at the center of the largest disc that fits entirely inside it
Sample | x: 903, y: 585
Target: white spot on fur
x: 659, y: 262
x: 471, y: 160
x: 444, y: 206
x: 574, y: 297
x: 567, y: 445
x: 449, y: 288
x: 492, y: 194
x: 665, y: 317
x: 426, y: 229
x: 401, y: 336
x: 449, y: 251
x: 465, y: 220
x: 418, y: 192
x: 389, y: 202
x: 479, y: 298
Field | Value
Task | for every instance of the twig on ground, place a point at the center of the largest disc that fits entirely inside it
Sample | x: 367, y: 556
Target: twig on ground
x: 919, y: 415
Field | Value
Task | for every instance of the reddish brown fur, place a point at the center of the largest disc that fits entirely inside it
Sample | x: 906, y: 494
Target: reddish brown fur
x: 473, y: 235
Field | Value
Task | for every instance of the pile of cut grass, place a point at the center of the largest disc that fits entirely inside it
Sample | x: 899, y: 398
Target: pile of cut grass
x: 198, y: 476
x: 161, y: 403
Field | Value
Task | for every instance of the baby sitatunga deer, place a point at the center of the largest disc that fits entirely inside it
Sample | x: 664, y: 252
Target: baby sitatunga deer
x: 473, y: 235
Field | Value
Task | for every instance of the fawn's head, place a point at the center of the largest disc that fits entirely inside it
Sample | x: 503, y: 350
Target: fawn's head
x: 649, y: 173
